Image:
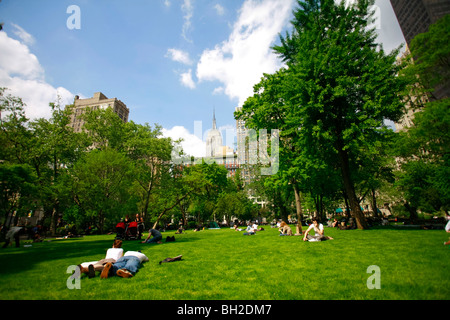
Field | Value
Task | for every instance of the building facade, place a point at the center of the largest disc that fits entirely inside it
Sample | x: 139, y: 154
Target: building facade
x: 416, y: 16
x: 98, y: 101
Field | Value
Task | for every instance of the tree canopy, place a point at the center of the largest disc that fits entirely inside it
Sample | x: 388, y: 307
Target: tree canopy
x: 333, y: 98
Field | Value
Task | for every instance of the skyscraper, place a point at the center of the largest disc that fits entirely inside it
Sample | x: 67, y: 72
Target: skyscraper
x: 214, y: 140
x: 415, y: 16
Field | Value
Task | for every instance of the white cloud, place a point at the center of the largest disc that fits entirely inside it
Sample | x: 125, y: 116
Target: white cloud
x: 188, y: 10
x: 192, y: 145
x: 22, y: 74
x: 167, y: 3
x: 179, y: 56
x: 240, y: 61
x: 186, y: 79
x: 218, y: 90
x: 23, y: 35
x: 219, y: 9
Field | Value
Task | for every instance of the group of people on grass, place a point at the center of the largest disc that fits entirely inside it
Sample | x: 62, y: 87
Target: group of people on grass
x: 285, y: 230
x: 115, y: 263
x: 319, y: 235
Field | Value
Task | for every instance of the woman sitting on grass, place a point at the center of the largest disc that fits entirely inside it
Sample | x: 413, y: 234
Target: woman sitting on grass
x: 284, y: 229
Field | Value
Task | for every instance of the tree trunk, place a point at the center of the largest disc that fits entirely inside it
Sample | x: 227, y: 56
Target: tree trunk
x: 374, y: 204
x: 318, y: 201
x: 413, y: 217
x: 148, y: 191
x: 347, y: 207
x: 298, y: 206
x: 168, y: 209
x: 54, y: 219
x: 183, y: 213
x: 350, y: 190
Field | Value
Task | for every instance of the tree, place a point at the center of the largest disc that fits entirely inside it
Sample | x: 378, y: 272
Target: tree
x: 17, y: 190
x: 151, y: 154
x: 211, y: 181
x: 48, y: 146
x: 430, y: 52
x: 101, y: 183
x: 15, y: 135
x: 337, y: 89
x: 105, y: 128
x: 185, y: 183
x: 425, y: 159
x: 55, y: 148
x: 423, y: 147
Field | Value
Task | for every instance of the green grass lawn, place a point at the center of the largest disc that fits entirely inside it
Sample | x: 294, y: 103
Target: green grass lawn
x: 225, y: 265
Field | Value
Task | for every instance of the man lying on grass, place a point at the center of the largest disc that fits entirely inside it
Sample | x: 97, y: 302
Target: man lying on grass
x: 319, y: 232
x: 126, y: 266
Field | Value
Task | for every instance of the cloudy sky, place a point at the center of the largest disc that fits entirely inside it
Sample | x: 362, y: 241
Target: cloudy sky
x: 172, y: 62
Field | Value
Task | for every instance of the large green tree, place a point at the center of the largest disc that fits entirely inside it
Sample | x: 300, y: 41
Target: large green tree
x: 48, y: 146
x: 17, y: 191
x: 336, y: 91
x: 101, y: 183
x: 430, y: 52
x: 55, y: 148
x: 151, y: 154
x: 423, y: 147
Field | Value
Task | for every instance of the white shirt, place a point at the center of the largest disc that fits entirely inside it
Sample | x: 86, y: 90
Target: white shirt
x: 316, y: 229
x: 142, y: 257
x: 114, y: 253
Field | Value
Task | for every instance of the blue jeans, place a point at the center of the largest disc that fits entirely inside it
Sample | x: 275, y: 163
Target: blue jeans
x: 131, y: 263
x: 154, y: 239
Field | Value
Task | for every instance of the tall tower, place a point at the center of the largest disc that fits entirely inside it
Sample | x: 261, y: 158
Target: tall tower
x: 214, y: 140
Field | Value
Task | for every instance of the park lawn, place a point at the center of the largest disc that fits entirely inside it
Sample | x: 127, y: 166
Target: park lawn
x: 226, y: 265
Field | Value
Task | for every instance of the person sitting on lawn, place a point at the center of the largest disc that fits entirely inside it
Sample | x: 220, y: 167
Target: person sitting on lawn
x: 180, y: 230
x: 319, y: 232
x: 335, y: 223
x: 447, y: 227
x: 126, y: 266
x: 284, y: 229
x: 112, y: 255
x: 157, y: 236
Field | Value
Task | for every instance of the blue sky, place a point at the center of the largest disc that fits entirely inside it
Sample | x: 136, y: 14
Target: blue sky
x: 172, y: 62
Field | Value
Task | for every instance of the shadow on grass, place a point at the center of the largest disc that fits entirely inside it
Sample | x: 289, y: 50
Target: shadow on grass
x: 17, y: 260
x: 72, y: 251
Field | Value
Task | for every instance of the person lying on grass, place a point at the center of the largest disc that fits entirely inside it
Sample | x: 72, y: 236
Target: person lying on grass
x: 319, y: 232
x: 126, y: 266
x: 112, y: 255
